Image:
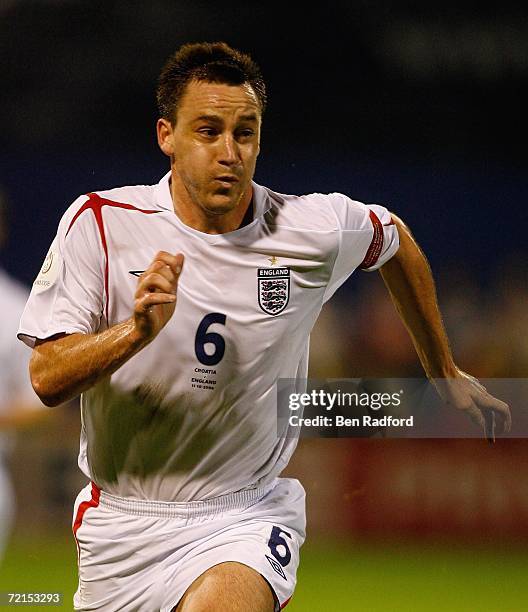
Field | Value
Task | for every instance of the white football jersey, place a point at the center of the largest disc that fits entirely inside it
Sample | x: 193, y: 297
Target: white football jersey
x: 193, y: 415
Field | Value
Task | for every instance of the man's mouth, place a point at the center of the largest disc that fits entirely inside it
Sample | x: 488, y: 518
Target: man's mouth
x: 226, y: 180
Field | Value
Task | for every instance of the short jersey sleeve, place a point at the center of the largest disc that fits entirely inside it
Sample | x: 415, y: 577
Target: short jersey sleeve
x: 68, y: 294
x: 368, y: 238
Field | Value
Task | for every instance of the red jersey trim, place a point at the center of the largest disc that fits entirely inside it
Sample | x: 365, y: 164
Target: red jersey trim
x: 376, y: 246
x: 95, y: 203
x: 92, y: 503
x: 285, y: 603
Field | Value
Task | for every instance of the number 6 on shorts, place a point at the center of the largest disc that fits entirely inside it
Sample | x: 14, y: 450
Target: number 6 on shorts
x: 277, y: 540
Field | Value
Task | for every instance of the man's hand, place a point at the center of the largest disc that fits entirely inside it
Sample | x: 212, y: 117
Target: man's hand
x: 465, y: 393
x: 65, y: 365
x: 155, y: 298
x: 410, y: 283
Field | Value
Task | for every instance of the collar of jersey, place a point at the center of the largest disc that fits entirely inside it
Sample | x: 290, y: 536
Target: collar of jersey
x: 261, y: 202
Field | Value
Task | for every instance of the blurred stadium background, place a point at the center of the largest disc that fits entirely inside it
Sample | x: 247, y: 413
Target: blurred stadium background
x: 419, y: 107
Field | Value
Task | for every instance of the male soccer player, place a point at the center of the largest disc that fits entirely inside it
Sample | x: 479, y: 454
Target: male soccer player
x: 19, y: 406
x: 177, y: 360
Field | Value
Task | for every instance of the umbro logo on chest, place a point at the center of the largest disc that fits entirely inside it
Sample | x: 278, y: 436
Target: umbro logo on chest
x: 136, y: 272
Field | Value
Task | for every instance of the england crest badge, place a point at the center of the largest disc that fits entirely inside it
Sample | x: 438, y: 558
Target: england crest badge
x: 273, y: 289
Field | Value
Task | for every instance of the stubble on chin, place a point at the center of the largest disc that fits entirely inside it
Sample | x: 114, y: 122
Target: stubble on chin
x: 221, y: 201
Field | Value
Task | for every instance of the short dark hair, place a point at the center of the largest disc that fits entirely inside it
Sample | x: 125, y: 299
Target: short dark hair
x: 212, y: 62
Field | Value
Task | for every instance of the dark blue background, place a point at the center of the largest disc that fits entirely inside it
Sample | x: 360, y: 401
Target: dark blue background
x: 421, y: 108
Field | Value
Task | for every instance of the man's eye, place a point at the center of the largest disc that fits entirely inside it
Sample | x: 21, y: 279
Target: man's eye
x: 246, y: 133
x: 207, y: 131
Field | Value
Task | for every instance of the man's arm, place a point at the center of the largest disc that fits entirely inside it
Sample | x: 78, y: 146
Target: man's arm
x: 64, y: 366
x: 408, y: 278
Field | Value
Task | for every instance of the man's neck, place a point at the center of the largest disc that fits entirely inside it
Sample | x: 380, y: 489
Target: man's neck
x: 249, y: 215
x: 209, y: 223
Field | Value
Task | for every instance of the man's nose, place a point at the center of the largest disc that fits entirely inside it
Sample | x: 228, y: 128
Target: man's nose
x: 228, y: 153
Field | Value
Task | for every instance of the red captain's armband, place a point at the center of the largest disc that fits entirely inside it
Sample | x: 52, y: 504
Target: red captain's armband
x: 376, y: 246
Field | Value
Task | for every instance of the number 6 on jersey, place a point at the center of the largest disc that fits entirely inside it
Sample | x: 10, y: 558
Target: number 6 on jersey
x: 204, y: 337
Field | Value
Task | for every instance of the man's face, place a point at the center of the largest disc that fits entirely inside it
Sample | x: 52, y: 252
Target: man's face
x: 214, y: 144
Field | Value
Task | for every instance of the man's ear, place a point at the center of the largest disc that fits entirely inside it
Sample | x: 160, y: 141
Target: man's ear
x: 165, y: 140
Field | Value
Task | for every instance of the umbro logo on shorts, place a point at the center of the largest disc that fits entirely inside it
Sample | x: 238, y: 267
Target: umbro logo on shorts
x: 136, y: 272
x: 276, y: 567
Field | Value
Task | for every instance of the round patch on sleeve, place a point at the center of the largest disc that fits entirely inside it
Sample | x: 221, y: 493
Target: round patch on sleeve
x: 49, y: 272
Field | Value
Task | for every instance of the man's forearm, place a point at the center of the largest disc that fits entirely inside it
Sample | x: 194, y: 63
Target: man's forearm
x: 64, y: 367
x: 409, y: 280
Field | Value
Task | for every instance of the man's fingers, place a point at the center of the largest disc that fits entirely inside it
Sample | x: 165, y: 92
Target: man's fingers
x: 154, y: 299
x: 486, y: 421
x: 154, y: 282
x: 489, y: 418
x: 166, y: 265
x: 508, y: 421
x: 504, y: 418
x: 476, y: 416
x: 500, y: 408
x: 178, y: 263
x: 173, y: 262
x: 469, y: 395
x: 160, y: 267
x: 157, y: 286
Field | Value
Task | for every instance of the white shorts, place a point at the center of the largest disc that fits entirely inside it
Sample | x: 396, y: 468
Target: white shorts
x: 142, y: 556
